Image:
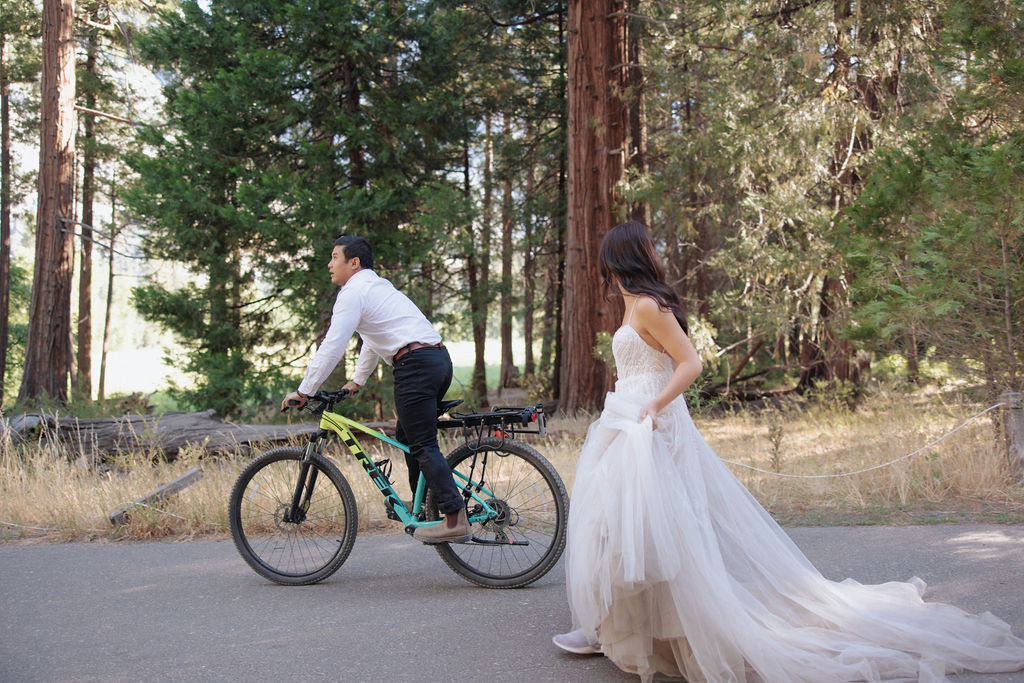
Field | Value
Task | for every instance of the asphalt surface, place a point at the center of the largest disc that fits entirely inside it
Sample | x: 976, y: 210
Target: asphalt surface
x: 195, y: 611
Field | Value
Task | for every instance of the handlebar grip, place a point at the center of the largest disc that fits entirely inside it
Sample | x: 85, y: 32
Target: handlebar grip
x: 292, y: 404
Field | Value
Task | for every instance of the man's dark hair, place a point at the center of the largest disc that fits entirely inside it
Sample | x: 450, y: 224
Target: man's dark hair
x: 356, y: 247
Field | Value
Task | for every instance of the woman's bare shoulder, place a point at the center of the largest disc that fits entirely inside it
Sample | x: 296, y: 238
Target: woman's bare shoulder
x: 648, y: 307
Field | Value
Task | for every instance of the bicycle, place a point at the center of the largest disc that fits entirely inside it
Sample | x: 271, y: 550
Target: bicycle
x: 293, y: 516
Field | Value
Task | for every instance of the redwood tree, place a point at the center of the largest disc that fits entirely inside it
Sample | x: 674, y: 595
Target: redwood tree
x: 597, y: 138
x: 48, y: 346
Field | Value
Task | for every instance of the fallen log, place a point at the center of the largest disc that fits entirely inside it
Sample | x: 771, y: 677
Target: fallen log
x: 163, y: 435
x: 121, y: 515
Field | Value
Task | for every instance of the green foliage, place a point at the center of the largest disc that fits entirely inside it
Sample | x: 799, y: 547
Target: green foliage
x: 749, y: 105
x: 603, y: 349
x: 937, y: 238
x: 20, y: 26
x: 810, y: 169
x: 946, y: 221
x: 289, y: 126
x: 776, y: 433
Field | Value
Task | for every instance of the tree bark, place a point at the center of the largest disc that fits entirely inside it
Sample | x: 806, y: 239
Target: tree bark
x: 480, y: 273
x: 549, y: 324
x: 5, y: 210
x: 558, y: 220
x: 508, y: 368
x: 85, y: 257
x: 529, y: 268
x: 114, y: 232
x: 637, y: 112
x: 910, y: 353
x: 597, y: 135
x: 48, y: 345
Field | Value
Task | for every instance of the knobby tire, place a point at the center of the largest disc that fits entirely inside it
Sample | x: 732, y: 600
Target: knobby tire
x: 287, y: 551
x: 527, y: 540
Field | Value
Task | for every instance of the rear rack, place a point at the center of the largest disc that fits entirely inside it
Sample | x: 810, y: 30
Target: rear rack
x: 502, y: 421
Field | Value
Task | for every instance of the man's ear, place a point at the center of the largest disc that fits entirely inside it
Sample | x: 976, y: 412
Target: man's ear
x: 357, y: 265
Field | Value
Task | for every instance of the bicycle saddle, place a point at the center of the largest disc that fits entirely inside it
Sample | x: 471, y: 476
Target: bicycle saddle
x: 444, y: 406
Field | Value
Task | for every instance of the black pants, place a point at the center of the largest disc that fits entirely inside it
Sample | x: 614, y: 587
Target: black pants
x: 421, y: 379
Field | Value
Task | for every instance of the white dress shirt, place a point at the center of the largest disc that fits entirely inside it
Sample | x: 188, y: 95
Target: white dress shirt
x: 384, y: 318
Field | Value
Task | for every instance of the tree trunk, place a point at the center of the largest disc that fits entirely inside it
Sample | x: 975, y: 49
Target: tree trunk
x: 350, y: 104
x: 48, y: 347
x: 637, y: 112
x: 558, y: 219
x: 114, y: 232
x: 5, y: 210
x: 427, y: 269
x: 508, y: 368
x: 840, y: 361
x: 834, y: 360
x: 480, y: 273
x: 910, y: 353
x: 85, y: 265
x: 160, y: 436
x: 549, y: 325
x: 529, y: 268
x: 597, y: 137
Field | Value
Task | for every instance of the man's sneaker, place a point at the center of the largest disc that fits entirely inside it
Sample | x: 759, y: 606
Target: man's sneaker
x: 576, y: 643
x: 441, y: 533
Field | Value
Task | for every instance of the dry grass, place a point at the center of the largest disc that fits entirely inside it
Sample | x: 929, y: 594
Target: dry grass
x: 46, y: 495
x: 964, y: 477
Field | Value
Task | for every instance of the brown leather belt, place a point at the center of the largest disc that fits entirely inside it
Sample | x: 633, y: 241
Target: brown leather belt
x: 412, y: 346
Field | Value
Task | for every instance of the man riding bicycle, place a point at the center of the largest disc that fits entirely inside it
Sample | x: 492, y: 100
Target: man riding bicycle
x: 392, y: 328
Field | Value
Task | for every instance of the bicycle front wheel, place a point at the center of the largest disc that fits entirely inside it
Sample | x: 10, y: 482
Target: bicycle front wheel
x: 527, y: 537
x: 288, y: 544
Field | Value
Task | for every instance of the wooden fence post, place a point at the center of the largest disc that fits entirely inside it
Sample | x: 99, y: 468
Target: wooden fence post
x: 1013, y: 423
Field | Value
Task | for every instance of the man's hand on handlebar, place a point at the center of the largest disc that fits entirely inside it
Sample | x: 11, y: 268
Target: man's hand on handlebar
x: 352, y: 387
x: 293, y: 400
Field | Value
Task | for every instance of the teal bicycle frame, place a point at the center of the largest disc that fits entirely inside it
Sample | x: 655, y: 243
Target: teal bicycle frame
x: 343, y: 426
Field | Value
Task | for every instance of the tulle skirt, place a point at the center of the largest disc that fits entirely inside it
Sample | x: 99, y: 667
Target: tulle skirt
x: 674, y: 567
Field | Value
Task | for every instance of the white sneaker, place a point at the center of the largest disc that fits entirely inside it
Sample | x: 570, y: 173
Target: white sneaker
x: 576, y: 643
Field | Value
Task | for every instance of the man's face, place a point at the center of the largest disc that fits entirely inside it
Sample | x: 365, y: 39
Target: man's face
x: 340, y: 268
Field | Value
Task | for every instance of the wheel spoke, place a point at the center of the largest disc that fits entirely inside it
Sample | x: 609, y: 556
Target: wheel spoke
x: 532, y: 507
x: 310, y: 546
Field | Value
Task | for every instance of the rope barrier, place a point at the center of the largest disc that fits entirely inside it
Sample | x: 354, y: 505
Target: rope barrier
x: 26, y: 526
x: 156, y: 509
x: 50, y: 529
x: 867, y: 469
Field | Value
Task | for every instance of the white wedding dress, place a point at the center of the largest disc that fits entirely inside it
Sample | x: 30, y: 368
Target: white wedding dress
x: 674, y: 567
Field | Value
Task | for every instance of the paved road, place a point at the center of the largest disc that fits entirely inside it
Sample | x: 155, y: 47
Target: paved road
x: 194, y: 611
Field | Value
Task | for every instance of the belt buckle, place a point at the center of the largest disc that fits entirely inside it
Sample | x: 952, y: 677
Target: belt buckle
x: 404, y: 350
x: 413, y: 346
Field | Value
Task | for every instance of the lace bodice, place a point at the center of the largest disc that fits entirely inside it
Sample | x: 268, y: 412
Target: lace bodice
x: 641, y: 369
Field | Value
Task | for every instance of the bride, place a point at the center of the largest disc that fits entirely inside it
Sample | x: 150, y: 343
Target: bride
x: 673, y: 567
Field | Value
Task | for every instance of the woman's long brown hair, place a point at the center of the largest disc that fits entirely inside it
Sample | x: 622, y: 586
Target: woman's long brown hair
x: 629, y: 262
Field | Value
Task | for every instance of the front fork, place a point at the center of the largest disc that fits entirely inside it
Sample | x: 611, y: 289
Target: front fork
x: 303, y: 493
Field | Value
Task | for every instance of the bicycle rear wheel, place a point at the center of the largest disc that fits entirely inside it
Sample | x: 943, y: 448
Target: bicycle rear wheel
x: 527, y: 537
x: 288, y: 546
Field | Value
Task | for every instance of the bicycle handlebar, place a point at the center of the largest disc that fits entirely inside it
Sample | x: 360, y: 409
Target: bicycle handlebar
x: 324, y: 399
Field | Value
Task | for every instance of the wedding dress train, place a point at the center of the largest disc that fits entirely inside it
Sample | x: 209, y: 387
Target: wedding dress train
x: 674, y: 567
